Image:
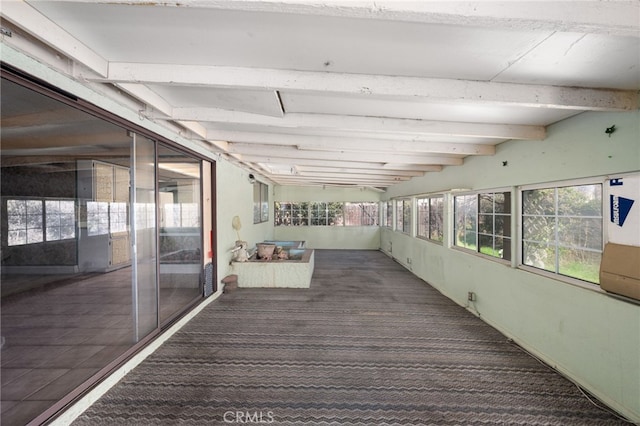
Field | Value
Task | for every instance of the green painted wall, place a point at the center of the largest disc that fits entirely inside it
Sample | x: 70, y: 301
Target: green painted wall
x: 235, y: 198
x: 589, y: 336
x: 328, y: 237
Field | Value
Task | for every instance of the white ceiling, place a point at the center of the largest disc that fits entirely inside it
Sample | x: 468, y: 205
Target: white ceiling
x: 348, y: 93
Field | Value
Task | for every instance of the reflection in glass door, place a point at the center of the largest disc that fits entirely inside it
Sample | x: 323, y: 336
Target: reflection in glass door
x: 143, y: 221
x: 179, y: 181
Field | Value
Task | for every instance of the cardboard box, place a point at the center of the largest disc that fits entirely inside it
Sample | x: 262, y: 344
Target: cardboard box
x: 620, y: 270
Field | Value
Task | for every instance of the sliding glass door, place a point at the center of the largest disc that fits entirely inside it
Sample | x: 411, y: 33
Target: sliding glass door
x: 179, y: 180
x: 101, y: 232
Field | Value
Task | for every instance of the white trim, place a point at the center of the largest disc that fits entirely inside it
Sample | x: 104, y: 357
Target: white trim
x: 563, y: 278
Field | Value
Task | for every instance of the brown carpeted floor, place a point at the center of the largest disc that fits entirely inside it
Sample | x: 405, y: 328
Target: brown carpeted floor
x: 368, y: 344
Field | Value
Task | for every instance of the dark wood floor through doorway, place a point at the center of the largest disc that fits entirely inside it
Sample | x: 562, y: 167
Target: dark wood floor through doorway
x: 369, y: 343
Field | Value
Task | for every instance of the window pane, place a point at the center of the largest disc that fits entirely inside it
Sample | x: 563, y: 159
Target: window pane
x: 583, y: 200
x: 265, y: 202
x: 538, y: 228
x: 436, y: 214
x: 406, y: 216
x: 486, y: 203
x: 16, y: 207
x: 502, y: 225
x: 485, y: 224
x: 584, y: 265
x: 486, y: 245
x: 35, y: 235
x: 335, y: 214
x: 17, y: 222
x: 34, y: 207
x: 34, y: 221
x: 503, y: 247
x: 539, y: 255
x: 538, y: 201
x: 53, y: 233
x: 399, y: 217
x: 422, y: 220
x: 465, y: 221
x: 580, y: 233
x: 17, y: 237
x: 256, y: 202
x: 502, y: 202
x: 300, y: 212
x: 318, y: 213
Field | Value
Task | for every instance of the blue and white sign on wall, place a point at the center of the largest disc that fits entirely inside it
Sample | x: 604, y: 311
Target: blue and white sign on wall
x: 623, y: 195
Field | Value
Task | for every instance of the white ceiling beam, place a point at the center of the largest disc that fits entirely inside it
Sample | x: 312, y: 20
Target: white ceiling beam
x: 148, y: 97
x: 399, y: 147
x: 610, y: 17
x: 414, y: 88
x: 195, y: 127
x: 358, y: 181
x: 363, y: 124
x: 322, y: 143
x: 293, y: 154
x: 347, y: 177
x: 336, y: 162
x: 309, y: 170
x: 30, y: 20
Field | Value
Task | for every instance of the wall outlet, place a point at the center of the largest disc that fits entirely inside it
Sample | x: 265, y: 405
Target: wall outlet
x: 471, y: 296
x: 408, y: 260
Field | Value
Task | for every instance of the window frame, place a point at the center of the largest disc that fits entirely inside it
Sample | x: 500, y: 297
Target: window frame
x: 44, y: 222
x: 406, y: 203
x: 319, y: 213
x: 366, y: 213
x: 430, y: 198
x: 386, y: 212
x: 600, y: 180
x: 514, y: 216
x: 260, y: 202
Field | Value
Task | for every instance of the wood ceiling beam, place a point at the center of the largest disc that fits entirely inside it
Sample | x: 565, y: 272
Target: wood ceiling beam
x: 410, y: 88
x: 408, y: 127
x: 293, y: 154
x: 323, y: 143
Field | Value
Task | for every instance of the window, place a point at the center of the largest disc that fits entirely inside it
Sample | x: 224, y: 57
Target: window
x: 176, y: 215
x: 562, y: 230
x: 387, y: 214
x: 361, y: 214
x: 325, y: 213
x: 430, y: 212
x: 60, y: 218
x: 403, y: 215
x: 118, y: 217
x: 483, y: 223
x: 97, y: 218
x: 260, y: 202
x: 36, y: 221
x: 494, y: 224
x: 25, y: 222
x: 291, y: 214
